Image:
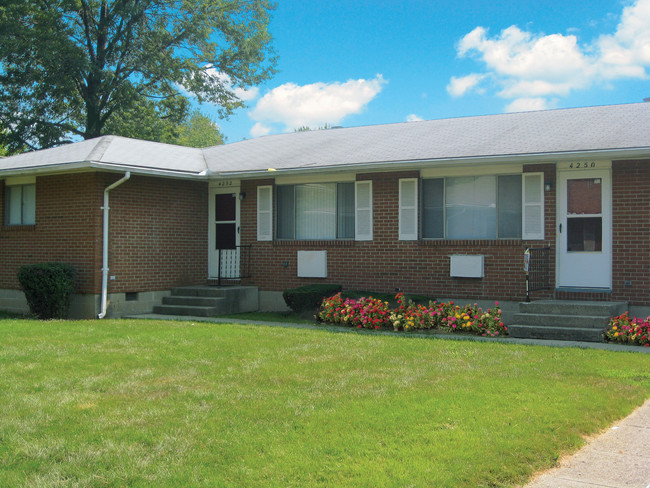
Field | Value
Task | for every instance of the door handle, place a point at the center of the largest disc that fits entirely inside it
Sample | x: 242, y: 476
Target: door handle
x: 560, y: 228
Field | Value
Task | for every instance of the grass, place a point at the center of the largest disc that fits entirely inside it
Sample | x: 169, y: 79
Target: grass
x: 167, y: 404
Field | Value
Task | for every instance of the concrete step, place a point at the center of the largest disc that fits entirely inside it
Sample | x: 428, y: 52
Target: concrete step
x: 194, y: 301
x: 186, y: 310
x: 561, y: 321
x: 564, y: 320
x: 578, y: 307
x: 556, y: 333
x: 205, y: 301
x: 197, y: 291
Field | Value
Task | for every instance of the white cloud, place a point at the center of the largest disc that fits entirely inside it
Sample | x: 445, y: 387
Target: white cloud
x: 527, y: 66
x: 527, y: 105
x: 537, y: 88
x: 626, y: 53
x: 316, y: 104
x: 458, y: 87
x: 414, y: 118
x: 259, y: 130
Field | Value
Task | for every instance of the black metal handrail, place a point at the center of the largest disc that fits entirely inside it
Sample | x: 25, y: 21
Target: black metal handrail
x: 234, y: 263
x: 538, y: 270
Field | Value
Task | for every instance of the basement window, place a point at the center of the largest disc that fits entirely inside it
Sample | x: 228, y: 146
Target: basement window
x: 131, y: 296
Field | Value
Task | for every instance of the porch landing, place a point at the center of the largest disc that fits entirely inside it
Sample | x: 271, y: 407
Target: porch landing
x: 207, y: 301
x: 564, y: 320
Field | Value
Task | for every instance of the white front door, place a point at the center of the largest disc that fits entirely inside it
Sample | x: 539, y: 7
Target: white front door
x: 584, y: 226
x: 223, y: 239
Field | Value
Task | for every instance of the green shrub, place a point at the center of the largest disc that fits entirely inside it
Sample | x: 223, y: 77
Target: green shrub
x: 308, y: 297
x: 48, y: 288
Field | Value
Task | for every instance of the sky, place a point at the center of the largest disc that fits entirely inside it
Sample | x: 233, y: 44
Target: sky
x: 365, y: 62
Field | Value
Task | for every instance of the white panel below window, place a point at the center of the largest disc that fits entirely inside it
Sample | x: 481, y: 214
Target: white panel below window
x: 312, y: 264
x: 463, y: 266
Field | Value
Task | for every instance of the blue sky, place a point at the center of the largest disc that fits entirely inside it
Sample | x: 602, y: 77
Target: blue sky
x: 363, y: 62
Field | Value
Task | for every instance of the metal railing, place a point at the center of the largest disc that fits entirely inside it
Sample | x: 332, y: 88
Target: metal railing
x: 538, y: 270
x: 234, y: 264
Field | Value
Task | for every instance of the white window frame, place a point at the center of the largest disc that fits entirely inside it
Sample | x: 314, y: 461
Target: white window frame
x: 323, y: 181
x: 531, y: 208
x: 23, y: 219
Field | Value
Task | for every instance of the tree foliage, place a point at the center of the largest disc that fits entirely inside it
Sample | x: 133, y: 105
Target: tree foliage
x: 173, y: 126
x: 306, y: 128
x: 199, y: 131
x: 74, y: 68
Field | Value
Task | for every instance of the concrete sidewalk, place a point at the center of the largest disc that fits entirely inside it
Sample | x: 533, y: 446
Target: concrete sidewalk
x: 617, y: 458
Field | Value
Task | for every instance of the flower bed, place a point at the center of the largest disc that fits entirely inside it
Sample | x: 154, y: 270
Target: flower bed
x: 371, y: 313
x: 628, y: 331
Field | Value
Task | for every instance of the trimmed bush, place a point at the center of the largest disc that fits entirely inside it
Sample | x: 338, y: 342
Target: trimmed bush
x: 48, y: 288
x: 308, y: 297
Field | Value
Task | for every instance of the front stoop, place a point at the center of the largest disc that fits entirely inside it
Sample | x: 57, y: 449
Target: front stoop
x: 564, y: 320
x: 207, y: 301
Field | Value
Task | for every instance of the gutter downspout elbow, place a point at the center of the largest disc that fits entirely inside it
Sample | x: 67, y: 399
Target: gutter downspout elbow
x: 106, y: 208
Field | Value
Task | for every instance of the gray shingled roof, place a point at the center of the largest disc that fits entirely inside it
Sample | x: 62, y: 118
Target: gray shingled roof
x: 613, y: 127
x: 565, y: 132
x: 109, y: 151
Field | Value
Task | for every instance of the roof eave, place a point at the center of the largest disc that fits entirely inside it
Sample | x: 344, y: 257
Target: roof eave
x: 406, y: 165
x: 82, y: 166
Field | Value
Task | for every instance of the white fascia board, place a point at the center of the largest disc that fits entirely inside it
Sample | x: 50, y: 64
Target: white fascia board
x: 151, y: 171
x: 416, y: 165
x: 85, y: 166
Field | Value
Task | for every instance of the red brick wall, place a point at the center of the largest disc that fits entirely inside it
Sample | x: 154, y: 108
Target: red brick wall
x: 386, y: 263
x: 631, y: 231
x: 158, y: 232
x: 67, y: 216
x: 423, y: 266
x: 159, y: 239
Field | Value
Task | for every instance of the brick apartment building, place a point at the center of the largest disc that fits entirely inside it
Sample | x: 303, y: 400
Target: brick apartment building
x: 444, y: 208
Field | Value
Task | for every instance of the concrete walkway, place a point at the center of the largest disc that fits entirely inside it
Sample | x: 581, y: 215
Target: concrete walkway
x: 617, y: 458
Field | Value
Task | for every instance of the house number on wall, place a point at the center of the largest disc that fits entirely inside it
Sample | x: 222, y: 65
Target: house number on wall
x: 583, y: 165
x: 225, y: 183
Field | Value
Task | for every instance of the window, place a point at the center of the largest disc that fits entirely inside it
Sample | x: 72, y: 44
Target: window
x: 20, y: 204
x: 316, y: 211
x: 482, y: 207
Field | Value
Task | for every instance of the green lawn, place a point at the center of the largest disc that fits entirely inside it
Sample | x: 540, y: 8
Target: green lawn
x: 181, y: 404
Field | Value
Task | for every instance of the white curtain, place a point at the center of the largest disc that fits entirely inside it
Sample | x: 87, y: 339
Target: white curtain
x: 316, y: 211
x: 471, y: 204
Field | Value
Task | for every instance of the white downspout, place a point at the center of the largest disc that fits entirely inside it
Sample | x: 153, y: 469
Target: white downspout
x: 126, y: 176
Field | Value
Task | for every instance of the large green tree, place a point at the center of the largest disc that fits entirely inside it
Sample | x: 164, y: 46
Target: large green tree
x: 69, y: 67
